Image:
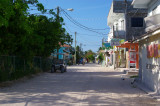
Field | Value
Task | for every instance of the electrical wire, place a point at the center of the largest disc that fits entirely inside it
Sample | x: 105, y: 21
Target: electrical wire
x: 85, y: 34
x: 68, y: 29
x: 80, y: 25
x: 81, y: 33
x: 88, y: 42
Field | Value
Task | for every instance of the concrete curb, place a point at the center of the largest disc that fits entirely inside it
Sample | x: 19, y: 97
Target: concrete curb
x: 150, y: 93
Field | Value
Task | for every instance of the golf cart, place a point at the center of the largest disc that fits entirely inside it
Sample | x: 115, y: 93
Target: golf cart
x: 59, y: 64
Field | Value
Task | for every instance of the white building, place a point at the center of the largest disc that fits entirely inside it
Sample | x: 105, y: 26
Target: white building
x: 126, y: 23
x: 149, y: 45
x: 116, y: 22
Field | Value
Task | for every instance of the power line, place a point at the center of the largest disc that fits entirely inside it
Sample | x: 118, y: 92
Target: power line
x: 85, y: 34
x: 89, y: 42
x: 69, y: 29
x: 80, y: 33
x: 80, y: 25
x: 90, y: 35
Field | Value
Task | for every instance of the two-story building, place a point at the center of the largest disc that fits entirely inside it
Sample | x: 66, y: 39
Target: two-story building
x: 125, y: 23
x: 149, y: 45
x: 63, y: 53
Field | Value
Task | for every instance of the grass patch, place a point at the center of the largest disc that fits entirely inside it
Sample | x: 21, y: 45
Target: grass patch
x: 135, y: 76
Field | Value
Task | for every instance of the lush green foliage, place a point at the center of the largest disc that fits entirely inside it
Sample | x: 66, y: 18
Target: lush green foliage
x: 101, y: 57
x: 100, y: 48
x: 79, y: 53
x: 90, y: 55
x: 29, y: 35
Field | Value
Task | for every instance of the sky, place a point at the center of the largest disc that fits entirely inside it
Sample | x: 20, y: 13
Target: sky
x: 90, y: 13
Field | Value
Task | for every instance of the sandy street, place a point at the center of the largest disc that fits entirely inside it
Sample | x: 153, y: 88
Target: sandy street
x: 89, y: 85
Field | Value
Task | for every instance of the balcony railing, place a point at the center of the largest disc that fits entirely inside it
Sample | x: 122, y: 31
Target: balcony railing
x: 152, y: 22
x: 119, y: 34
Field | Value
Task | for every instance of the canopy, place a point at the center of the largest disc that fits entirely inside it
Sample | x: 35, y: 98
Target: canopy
x: 129, y: 45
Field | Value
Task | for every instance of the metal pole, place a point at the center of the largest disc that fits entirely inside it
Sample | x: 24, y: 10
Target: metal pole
x: 75, y: 48
x: 125, y: 13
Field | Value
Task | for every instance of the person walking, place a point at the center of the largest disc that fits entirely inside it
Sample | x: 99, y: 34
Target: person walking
x: 84, y: 61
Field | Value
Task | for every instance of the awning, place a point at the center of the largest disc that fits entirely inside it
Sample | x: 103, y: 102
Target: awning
x: 128, y: 45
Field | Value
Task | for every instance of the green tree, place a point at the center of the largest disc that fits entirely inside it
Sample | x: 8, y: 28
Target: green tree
x: 28, y: 35
x: 6, y: 11
x: 101, y: 57
x: 78, y: 56
x: 100, y: 48
x: 90, y: 55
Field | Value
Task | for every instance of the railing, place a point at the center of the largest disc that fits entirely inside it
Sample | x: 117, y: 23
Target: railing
x: 119, y: 34
x: 14, y: 67
x: 122, y: 0
x: 152, y: 22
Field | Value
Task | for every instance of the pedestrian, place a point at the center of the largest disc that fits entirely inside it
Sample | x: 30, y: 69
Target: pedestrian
x: 87, y: 60
x: 84, y: 61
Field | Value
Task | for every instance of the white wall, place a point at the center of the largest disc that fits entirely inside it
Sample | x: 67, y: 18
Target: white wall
x: 152, y: 6
x: 150, y: 77
x: 119, y: 19
x: 119, y: 23
x: 110, y: 35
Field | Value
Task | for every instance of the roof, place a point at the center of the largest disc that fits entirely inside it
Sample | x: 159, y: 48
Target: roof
x: 102, y: 51
x: 148, y: 34
x: 127, y: 45
x: 64, y: 45
x: 117, y: 11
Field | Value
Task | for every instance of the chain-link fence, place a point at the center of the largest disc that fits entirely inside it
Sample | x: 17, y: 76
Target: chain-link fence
x: 14, y: 67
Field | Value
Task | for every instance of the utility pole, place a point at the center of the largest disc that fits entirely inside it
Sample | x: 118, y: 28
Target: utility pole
x: 80, y: 46
x: 57, y: 13
x: 102, y: 42
x: 125, y: 13
x: 75, y: 49
x: 58, y: 21
x: 57, y: 16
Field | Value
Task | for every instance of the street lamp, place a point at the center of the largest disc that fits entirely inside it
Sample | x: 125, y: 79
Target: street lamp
x: 70, y: 9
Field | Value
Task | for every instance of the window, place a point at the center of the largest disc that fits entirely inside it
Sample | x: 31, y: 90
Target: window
x: 122, y: 25
x: 116, y: 27
x: 136, y: 22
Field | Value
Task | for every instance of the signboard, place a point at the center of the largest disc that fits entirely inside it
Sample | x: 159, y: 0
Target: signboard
x: 106, y: 44
x: 116, y: 42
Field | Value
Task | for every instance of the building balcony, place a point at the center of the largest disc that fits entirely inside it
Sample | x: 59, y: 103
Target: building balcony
x: 119, y: 34
x: 141, y: 3
x: 152, y: 22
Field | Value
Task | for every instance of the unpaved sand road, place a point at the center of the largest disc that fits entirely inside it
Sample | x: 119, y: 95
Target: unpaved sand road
x: 81, y: 86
